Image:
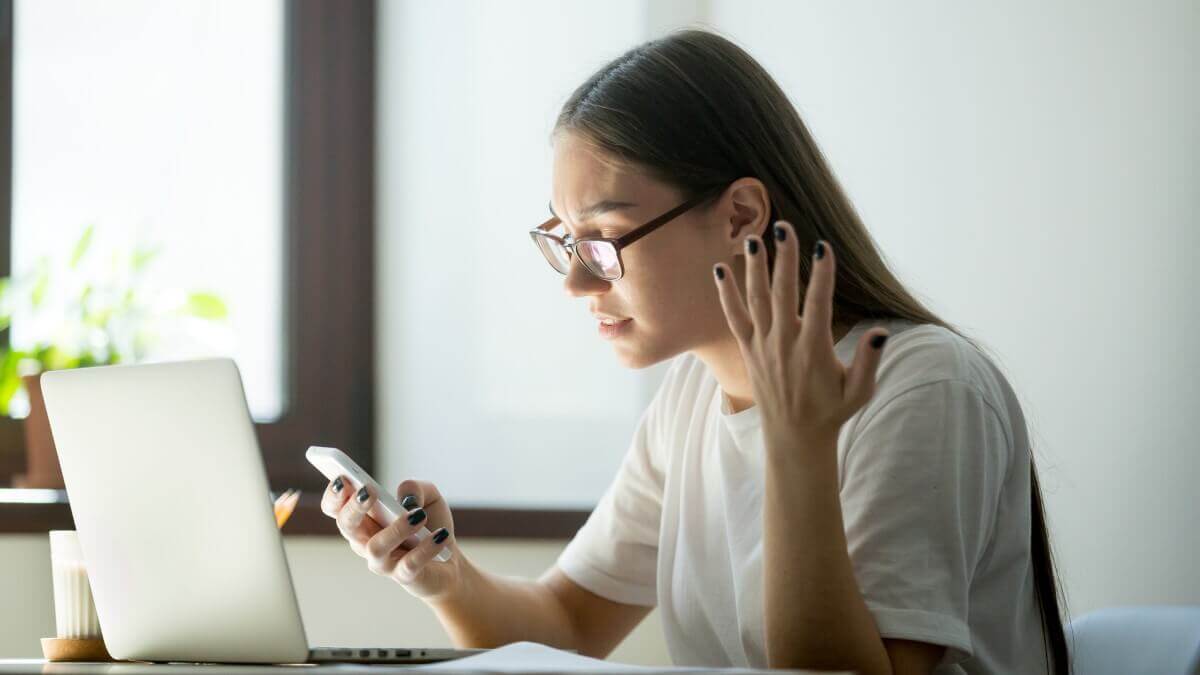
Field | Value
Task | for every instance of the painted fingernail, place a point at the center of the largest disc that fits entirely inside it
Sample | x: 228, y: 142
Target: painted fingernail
x: 416, y: 516
x: 752, y: 246
x: 363, y: 495
x: 441, y: 535
x: 720, y: 272
x: 878, y: 340
x: 338, y: 485
x: 409, y: 502
x: 780, y: 233
x: 819, y: 252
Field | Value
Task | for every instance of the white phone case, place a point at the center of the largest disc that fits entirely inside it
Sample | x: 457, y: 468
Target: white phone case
x: 333, y: 463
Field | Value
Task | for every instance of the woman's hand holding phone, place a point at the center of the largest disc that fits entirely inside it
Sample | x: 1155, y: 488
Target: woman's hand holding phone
x: 382, y: 547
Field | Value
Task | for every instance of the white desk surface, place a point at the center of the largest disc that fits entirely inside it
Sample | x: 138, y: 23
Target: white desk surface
x: 39, y: 666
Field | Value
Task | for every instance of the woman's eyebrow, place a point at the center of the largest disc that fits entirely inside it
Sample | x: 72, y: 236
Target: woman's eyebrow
x: 599, y: 208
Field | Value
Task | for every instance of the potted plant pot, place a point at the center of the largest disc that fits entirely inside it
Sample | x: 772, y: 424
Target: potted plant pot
x: 42, y: 469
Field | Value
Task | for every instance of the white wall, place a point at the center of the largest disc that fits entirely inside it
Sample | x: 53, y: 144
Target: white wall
x: 1031, y: 168
x: 341, y: 602
x: 493, y: 382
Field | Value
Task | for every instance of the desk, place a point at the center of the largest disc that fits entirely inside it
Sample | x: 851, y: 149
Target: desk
x: 39, y: 666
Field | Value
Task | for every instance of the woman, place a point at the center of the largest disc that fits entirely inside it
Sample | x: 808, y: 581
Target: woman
x: 796, y: 495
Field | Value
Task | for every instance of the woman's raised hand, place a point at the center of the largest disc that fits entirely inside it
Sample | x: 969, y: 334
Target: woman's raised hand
x: 804, y: 392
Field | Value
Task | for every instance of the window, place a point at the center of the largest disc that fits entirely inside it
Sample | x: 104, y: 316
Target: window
x: 307, y: 115
x: 181, y: 151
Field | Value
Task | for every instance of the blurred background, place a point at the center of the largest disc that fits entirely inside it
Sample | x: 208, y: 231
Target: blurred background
x: 337, y: 195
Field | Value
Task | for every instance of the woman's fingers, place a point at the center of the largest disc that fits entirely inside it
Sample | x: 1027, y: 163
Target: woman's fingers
x: 860, y: 379
x: 816, y: 329
x: 731, y: 302
x: 785, y: 306
x: 409, y: 566
x: 381, y: 546
x: 413, y: 493
x: 354, y: 523
x: 758, y: 285
x: 334, y: 497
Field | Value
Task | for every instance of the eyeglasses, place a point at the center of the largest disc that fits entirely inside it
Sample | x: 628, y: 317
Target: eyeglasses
x: 600, y: 255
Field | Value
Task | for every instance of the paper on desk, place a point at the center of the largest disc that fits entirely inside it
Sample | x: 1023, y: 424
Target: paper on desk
x: 531, y: 657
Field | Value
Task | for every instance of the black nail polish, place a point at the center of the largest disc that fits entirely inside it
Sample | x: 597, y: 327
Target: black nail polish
x: 440, y: 535
x: 363, y: 495
x: 878, y: 340
x: 720, y: 273
x: 780, y: 233
x: 338, y: 485
x: 409, y: 502
x: 752, y: 246
x: 820, y: 250
x: 416, y: 516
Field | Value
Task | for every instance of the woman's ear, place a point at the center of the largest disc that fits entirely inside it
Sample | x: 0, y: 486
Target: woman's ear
x: 746, y: 210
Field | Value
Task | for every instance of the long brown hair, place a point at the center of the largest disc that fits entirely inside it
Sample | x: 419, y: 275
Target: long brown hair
x: 696, y: 111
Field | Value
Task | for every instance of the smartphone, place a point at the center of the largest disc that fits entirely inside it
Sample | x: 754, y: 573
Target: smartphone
x: 332, y: 463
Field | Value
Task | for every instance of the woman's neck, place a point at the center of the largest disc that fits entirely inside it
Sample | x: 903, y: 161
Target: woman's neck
x: 725, y: 362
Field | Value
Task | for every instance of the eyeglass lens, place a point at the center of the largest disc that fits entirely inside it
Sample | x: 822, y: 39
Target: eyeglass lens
x: 599, y: 257
x: 557, y: 254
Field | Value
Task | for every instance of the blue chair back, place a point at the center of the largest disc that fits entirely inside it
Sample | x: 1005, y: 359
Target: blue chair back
x: 1158, y: 640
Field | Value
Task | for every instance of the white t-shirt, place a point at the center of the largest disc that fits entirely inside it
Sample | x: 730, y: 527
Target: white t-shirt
x: 935, y: 493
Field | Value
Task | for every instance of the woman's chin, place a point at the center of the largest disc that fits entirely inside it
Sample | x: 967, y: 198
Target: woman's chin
x: 635, y: 356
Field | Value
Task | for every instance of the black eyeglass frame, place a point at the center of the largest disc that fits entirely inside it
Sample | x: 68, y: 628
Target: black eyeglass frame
x: 617, y: 243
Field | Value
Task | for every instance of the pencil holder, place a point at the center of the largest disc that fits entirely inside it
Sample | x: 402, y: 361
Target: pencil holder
x: 75, y: 618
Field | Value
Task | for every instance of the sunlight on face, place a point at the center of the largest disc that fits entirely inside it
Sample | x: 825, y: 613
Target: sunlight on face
x: 666, y: 302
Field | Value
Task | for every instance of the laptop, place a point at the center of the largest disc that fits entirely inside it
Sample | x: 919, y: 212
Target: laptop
x: 171, y: 504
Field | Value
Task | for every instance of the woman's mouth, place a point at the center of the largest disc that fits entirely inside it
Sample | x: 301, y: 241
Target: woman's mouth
x: 611, y: 328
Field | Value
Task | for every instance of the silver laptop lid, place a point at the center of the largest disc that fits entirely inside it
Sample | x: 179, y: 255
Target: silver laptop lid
x: 170, y: 499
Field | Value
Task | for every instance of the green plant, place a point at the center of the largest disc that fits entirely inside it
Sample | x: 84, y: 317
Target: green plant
x: 81, y: 317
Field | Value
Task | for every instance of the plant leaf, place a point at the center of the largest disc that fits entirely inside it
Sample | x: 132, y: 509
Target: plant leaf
x: 5, y: 302
x: 81, y: 246
x: 206, y: 306
x: 41, y: 283
x: 9, y: 380
x: 142, y: 257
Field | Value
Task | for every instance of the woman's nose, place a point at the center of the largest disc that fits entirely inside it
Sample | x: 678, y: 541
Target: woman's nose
x: 579, y: 282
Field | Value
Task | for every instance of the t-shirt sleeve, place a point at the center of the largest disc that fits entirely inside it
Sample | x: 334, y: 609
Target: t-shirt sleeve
x: 615, y: 553
x: 920, y: 491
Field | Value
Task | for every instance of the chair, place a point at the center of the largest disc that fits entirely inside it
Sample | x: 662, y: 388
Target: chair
x: 1155, y: 640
